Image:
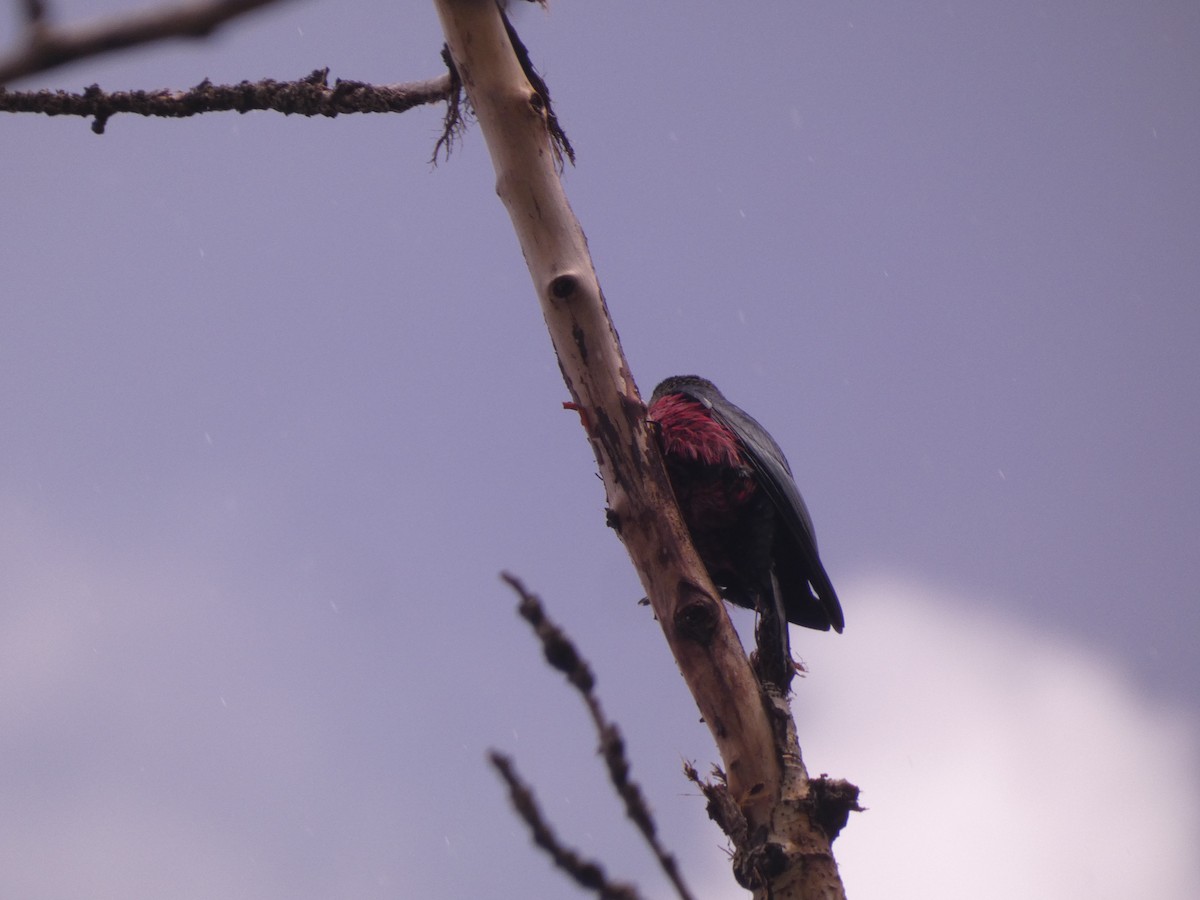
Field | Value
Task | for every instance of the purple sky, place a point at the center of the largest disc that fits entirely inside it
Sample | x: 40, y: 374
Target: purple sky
x: 277, y: 405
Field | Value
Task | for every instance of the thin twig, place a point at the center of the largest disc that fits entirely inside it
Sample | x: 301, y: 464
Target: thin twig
x: 311, y: 96
x: 561, y: 653
x: 585, y: 872
x: 48, y: 47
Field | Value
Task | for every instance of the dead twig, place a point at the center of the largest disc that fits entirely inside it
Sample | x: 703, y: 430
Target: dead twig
x: 586, y: 873
x: 49, y: 46
x: 311, y: 96
x: 561, y: 653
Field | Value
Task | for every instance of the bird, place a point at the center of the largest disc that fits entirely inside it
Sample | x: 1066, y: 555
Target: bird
x: 741, y: 505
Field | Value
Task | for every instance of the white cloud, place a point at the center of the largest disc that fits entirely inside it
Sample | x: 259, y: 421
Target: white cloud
x: 996, y: 761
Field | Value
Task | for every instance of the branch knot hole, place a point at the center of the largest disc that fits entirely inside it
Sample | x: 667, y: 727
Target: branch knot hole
x: 696, y: 615
x: 564, y: 286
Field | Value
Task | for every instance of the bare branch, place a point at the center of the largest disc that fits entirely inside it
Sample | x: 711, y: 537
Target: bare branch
x: 561, y: 653
x: 48, y: 47
x: 586, y: 873
x: 642, y: 508
x: 458, y: 107
x: 786, y: 845
x: 558, y: 137
x: 311, y: 96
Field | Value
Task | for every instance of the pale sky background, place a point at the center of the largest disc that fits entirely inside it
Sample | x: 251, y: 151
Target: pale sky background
x: 277, y: 406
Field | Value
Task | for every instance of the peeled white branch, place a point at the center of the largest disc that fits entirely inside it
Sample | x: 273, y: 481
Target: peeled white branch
x: 787, y: 857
